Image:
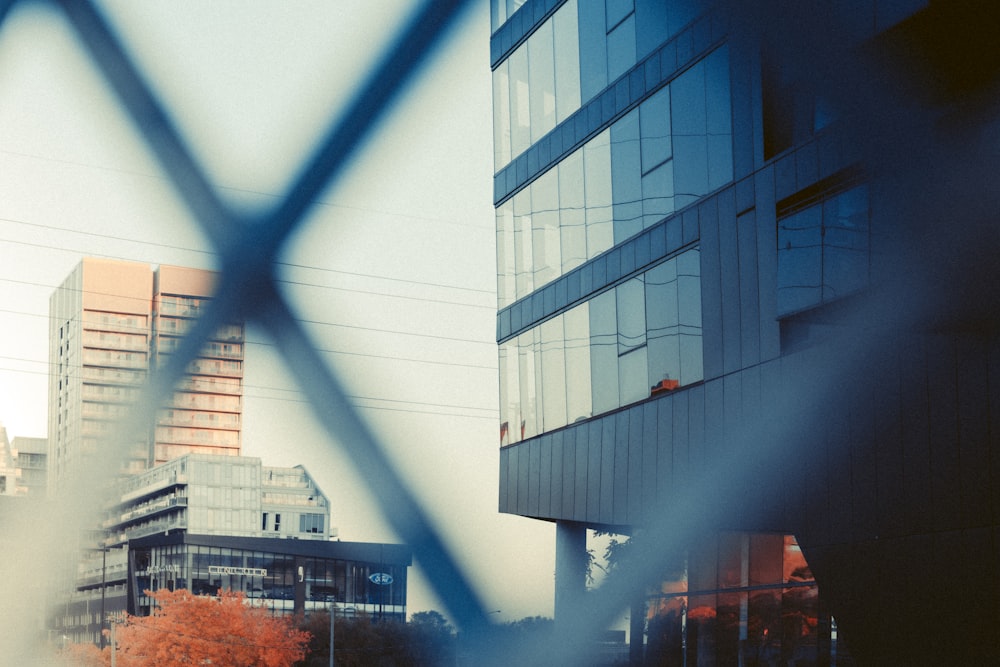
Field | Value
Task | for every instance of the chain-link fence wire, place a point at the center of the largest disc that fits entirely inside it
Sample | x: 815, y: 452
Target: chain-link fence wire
x: 249, y: 244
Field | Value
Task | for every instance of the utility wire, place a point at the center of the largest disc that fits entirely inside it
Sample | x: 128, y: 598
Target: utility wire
x: 317, y: 202
x: 286, y: 281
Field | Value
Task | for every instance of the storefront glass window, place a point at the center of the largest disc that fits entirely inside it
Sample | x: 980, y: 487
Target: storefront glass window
x: 740, y: 598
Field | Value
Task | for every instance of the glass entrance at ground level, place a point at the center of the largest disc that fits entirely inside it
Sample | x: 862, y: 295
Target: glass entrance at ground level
x: 746, y: 599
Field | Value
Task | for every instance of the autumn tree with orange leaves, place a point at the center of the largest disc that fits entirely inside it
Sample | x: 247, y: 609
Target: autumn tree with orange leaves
x: 222, y: 631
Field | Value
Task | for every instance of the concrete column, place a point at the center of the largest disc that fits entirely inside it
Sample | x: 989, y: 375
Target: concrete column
x: 571, y: 568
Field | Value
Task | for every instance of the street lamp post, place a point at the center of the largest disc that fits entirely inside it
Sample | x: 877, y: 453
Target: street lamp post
x: 104, y: 587
x: 333, y: 607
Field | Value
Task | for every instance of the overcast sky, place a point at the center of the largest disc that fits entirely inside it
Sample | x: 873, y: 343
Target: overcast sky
x: 394, y: 270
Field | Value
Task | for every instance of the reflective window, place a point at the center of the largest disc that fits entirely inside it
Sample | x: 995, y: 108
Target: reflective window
x: 689, y: 316
x: 537, y: 86
x: 633, y: 376
x: 501, y: 10
x: 506, y: 267
x: 604, y: 351
x: 579, y: 401
x: 626, y: 166
x: 501, y: 114
x: 520, y: 104
x: 553, y: 353
x: 740, y: 598
x: 701, y: 124
x: 638, y: 339
x: 523, y: 268
x: 541, y: 82
x: 672, y: 150
x: 567, y: 60
x: 823, y: 250
x: 597, y: 181
x: 572, y: 212
x: 528, y: 379
x: 621, y: 47
x: 510, y: 394
x: 556, y: 223
x: 545, y: 233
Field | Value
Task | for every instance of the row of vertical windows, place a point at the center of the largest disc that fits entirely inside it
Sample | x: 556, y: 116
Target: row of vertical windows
x: 667, y: 153
x: 537, y: 87
x: 501, y: 10
x: 625, y: 344
x: 566, y: 61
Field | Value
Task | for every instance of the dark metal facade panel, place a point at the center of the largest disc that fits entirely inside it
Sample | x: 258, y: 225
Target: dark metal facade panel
x: 993, y: 377
x: 767, y: 265
x: 503, y: 494
x: 595, y: 473
x: 884, y: 400
x: 743, y: 68
x: 864, y: 463
x: 665, y: 445
x: 546, y: 480
x: 711, y: 294
x: 697, y: 451
x: 619, y: 492
x: 746, y: 241
x: 946, y: 474
x: 914, y: 436
x: 523, y: 457
x: 730, y: 289
x: 650, y: 480
x: 635, y: 477
x: 973, y: 431
x: 534, y: 474
x: 582, y: 489
x: 555, y: 487
x: 567, y: 496
x: 679, y: 437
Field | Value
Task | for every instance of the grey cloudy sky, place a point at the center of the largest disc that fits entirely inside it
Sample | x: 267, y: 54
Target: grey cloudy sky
x: 393, y: 270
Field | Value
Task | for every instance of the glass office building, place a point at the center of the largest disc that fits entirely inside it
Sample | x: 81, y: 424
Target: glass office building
x: 285, y: 576
x: 204, y: 522
x: 701, y: 211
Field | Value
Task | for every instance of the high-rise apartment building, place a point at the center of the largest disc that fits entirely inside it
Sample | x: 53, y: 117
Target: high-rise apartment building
x: 111, y: 324
x: 712, y: 246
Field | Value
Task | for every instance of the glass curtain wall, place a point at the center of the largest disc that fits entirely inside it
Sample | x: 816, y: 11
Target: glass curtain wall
x: 741, y: 599
x: 269, y: 579
x: 668, y: 152
x: 823, y: 250
x: 537, y: 86
x: 623, y: 345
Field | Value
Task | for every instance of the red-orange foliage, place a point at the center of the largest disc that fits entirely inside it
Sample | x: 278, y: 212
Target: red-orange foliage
x: 223, y: 631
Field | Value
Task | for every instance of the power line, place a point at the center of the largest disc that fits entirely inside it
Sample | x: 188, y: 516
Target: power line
x: 284, y: 281
x: 302, y: 321
x: 316, y: 202
x: 305, y: 401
